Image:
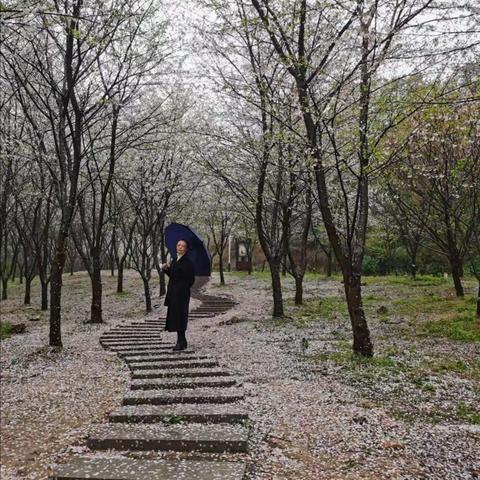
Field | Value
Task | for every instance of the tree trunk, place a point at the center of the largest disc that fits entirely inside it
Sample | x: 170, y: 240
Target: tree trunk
x: 329, y: 262
x: 284, y: 264
x: 44, y: 287
x: 456, y: 266
x: 4, y: 288
x: 361, y: 334
x: 220, y: 266
x: 28, y: 290
x: 478, y: 300
x: 96, y: 307
x: 161, y: 275
x: 14, y: 271
x: 148, y: 299
x: 413, y: 272
x: 162, y: 284
x: 56, y: 292
x: 298, y: 290
x: 277, y: 290
x: 120, y: 277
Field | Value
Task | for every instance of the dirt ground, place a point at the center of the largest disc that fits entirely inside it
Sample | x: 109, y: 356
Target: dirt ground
x: 316, y: 413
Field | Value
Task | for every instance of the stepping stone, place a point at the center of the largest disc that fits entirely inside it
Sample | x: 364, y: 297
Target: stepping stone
x: 197, y: 413
x: 179, y: 372
x: 165, y: 358
x: 182, y: 382
x: 177, y: 364
x: 185, y: 395
x: 153, y: 352
x: 122, y: 468
x: 159, y: 437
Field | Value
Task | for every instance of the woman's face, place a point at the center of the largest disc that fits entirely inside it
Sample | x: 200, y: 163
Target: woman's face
x: 181, y: 247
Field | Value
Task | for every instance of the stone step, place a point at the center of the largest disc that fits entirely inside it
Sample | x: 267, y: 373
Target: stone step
x: 135, y: 343
x: 164, y: 358
x: 179, y: 372
x: 138, y: 328
x: 130, y: 333
x: 147, y: 323
x: 126, y: 350
x: 122, y: 468
x: 129, y: 336
x: 182, y: 382
x: 142, y: 333
x: 210, y: 308
x: 160, y: 437
x: 178, y: 364
x: 154, y: 352
x: 184, y: 395
x: 197, y: 413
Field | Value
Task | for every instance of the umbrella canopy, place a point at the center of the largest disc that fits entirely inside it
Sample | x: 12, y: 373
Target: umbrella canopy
x: 197, y: 251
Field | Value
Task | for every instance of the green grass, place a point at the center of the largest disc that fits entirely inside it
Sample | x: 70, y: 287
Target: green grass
x: 326, y: 308
x: 464, y: 327
x: 427, y: 313
x: 469, y: 368
x: 367, y: 367
x: 419, y: 281
x: 468, y: 413
x: 174, y: 419
x: 5, y: 329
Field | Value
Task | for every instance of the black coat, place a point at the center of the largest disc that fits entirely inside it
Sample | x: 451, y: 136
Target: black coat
x: 178, y: 293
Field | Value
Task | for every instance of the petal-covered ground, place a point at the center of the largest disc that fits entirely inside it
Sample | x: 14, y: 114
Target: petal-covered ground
x: 316, y: 412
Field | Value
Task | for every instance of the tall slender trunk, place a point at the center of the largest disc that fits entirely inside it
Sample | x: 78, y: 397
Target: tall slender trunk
x: 28, y: 290
x: 284, y: 263
x: 220, y: 266
x: 413, y: 271
x: 277, y: 290
x: 14, y: 272
x: 120, y: 276
x: 58, y: 264
x: 148, y: 298
x: 478, y: 300
x: 44, y: 294
x: 96, y: 281
x: 299, y: 290
x: 329, y: 262
x: 361, y: 334
x: 456, y: 266
x: 4, y: 288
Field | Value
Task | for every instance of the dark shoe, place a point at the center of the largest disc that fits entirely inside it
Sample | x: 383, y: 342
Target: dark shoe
x: 180, y: 346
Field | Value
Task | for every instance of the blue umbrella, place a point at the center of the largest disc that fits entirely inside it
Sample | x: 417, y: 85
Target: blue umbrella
x: 197, y: 252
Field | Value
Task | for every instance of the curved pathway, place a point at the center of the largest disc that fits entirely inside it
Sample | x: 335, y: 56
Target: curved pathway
x: 178, y: 401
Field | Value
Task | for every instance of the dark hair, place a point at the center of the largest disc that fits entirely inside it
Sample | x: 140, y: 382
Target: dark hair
x: 183, y: 240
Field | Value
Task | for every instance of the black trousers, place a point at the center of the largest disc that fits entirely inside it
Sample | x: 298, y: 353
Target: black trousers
x: 181, y: 336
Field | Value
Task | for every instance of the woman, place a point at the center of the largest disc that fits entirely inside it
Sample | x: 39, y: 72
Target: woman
x: 177, y: 299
